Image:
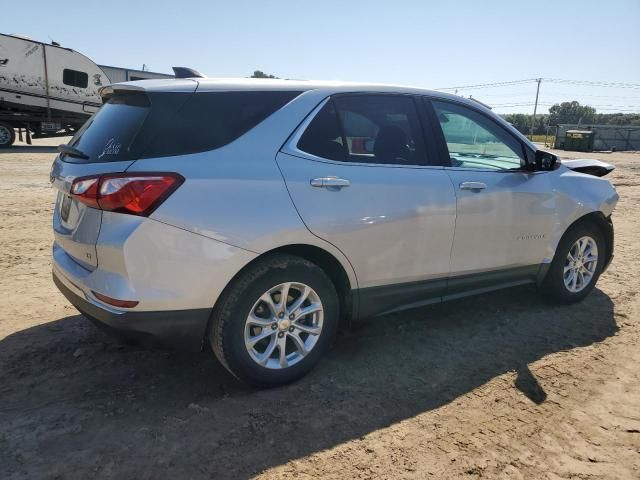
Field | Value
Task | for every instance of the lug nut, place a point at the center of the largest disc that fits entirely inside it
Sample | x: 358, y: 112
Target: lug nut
x: 280, y: 334
x: 292, y: 316
x: 291, y: 329
x: 281, y: 315
x: 274, y: 326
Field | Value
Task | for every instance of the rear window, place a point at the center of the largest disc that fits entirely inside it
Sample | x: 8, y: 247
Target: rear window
x: 133, y: 126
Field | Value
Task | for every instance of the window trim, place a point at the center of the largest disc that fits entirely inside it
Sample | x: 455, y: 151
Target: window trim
x: 291, y: 144
x: 442, y: 143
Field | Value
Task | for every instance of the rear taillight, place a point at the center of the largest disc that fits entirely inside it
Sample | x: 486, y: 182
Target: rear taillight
x: 132, y: 193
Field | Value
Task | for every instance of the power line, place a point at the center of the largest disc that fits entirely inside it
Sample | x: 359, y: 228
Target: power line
x: 557, y: 82
x: 559, y: 95
x: 590, y: 83
x: 593, y: 83
x: 489, y: 85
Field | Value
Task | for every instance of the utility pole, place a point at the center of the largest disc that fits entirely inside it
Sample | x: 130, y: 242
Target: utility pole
x: 535, y: 108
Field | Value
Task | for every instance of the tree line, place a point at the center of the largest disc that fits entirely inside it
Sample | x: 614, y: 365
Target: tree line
x: 569, y: 112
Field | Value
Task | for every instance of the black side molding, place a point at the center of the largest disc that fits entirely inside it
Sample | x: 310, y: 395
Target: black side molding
x: 375, y: 301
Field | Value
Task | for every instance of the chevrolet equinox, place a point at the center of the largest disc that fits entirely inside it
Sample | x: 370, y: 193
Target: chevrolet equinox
x: 255, y: 215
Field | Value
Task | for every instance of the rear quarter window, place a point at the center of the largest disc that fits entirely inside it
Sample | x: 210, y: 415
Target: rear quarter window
x: 132, y: 126
x: 206, y: 121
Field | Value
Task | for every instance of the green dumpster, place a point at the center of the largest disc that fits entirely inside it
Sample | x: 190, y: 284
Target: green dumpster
x: 579, y: 140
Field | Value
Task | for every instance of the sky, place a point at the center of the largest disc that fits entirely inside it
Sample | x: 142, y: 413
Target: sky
x: 430, y: 44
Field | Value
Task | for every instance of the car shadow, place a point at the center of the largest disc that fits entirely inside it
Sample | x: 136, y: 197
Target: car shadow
x: 75, y: 402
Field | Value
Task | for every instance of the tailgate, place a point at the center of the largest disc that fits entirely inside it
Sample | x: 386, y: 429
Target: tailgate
x: 76, y: 226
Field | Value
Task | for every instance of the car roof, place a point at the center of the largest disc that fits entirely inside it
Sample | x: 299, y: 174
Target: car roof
x: 267, y: 84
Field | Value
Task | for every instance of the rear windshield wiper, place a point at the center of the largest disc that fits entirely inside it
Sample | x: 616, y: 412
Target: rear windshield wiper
x: 72, y: 151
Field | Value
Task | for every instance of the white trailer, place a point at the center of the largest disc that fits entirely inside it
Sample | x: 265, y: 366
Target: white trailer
x: 47, y: 90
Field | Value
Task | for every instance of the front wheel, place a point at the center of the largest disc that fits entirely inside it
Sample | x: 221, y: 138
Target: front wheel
x: 275, y: 321
x: 577, y: 265
x: 7, y: 135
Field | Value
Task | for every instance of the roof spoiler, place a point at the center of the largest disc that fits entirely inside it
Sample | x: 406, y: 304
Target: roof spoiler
x: 186, y: 72
x: 108, y: 90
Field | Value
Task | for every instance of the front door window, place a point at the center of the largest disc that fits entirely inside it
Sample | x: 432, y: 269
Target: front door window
x: 475, y: 141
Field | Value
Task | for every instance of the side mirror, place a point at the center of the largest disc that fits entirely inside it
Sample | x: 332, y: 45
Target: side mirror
x: 544, y: 161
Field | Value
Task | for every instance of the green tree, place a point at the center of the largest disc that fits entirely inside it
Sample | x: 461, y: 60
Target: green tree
x: 571, y: 112
x: 261, y: 74
x: 520, y: 121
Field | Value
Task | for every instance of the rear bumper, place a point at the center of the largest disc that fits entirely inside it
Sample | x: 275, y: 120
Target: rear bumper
x: 180, y: 329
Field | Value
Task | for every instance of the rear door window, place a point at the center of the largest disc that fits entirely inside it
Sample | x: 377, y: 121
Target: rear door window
x: 367, y: 128
x: 381, y: 129
x: 138, y: 125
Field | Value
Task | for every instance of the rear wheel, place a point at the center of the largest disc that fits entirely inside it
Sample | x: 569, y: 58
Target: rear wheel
x: 7, y: 135
x: 577, y: 264
x: 275, y: 321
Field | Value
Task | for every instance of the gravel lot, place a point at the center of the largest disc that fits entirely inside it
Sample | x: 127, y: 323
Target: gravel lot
x: 496, y: 386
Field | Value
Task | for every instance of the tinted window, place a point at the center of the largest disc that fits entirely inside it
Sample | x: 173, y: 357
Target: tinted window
x: 207, y: 121
x: 107, y: 135
x: 475, y: 141
x: 322, y: 137
x: 136, y: 125
x: 381, y: 129
x: 75, y: 78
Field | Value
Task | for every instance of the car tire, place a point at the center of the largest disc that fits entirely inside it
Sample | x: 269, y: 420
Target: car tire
x: 7, y: 135
x: 245, y: 314
x: 559, y: 285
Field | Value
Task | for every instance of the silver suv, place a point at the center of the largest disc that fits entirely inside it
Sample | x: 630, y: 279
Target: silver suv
x: 258, y: 215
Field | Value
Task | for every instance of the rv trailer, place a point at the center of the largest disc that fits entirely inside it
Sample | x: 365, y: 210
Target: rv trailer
x: 47, y: 90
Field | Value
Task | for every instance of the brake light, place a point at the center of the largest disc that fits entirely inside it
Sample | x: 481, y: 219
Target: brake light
x: 131, y: 193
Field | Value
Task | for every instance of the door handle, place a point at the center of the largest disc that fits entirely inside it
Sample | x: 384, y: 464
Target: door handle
x: 473, y: 186
x: 330, y: 182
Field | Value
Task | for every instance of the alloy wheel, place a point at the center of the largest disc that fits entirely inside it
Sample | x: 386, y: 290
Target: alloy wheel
x: 284, y: 325
x: 581, y: 264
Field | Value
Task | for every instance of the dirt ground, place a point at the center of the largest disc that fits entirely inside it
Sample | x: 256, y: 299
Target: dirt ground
x: 496, y: 386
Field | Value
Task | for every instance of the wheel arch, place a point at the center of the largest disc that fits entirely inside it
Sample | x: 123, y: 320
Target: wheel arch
x: 604, y: 226
x: 323, y: 259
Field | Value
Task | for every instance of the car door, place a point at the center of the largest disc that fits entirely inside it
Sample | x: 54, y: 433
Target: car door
x: 361, y: 176
x: 504, y: 214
